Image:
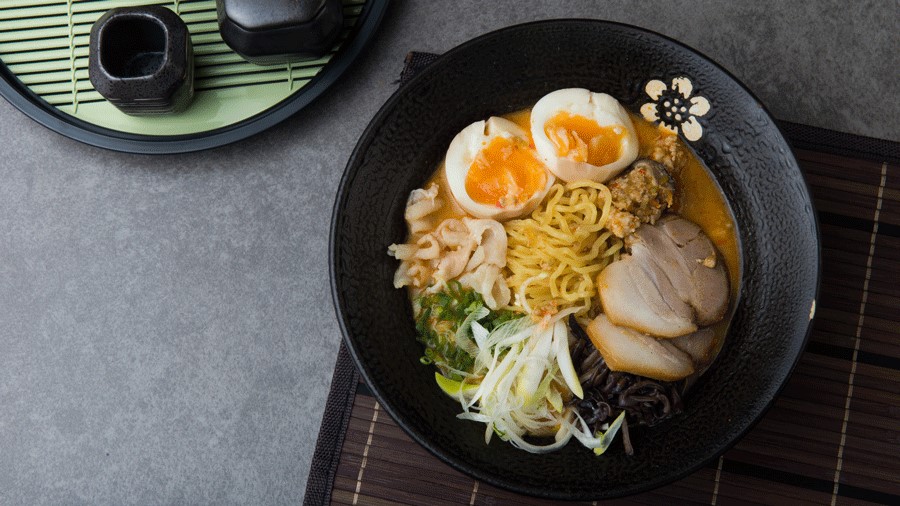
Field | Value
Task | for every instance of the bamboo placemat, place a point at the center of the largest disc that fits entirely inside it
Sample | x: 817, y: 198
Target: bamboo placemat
x: 832, y: 436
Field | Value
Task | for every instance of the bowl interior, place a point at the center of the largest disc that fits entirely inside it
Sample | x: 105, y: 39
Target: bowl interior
x: 509, y: 70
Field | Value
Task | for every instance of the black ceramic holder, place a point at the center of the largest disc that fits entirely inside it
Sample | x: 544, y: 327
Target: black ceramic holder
x: 268, y: 32
x: 142, y: 61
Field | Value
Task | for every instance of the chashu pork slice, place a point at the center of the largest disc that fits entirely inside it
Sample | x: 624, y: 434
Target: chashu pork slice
x: 699, y: 345
x: 637, y: 293
x: 628, y: 350
x: 687, y: 253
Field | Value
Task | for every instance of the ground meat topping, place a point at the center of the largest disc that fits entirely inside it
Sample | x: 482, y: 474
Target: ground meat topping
x: 640, y: 195
x: 668, y: 152
x: 621, y: 223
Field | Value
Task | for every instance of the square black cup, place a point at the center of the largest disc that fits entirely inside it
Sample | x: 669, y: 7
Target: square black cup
x: 142, y: 61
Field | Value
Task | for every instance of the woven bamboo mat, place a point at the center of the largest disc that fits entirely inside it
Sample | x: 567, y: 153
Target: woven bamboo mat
x: 833, y: 435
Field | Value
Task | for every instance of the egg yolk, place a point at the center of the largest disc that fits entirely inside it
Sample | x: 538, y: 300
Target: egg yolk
x: 506, y: 173
x: 582, y: 140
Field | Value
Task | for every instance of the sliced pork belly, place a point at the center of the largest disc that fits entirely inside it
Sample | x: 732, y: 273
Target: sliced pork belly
x: 628, y: 350
x: 708, y: 293
x: 636, y: 293
x: 699, y: 345
x: 655, y: 299
x: 682, y: 264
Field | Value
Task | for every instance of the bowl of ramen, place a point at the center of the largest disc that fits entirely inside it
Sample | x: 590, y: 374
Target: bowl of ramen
x: 574, y: 259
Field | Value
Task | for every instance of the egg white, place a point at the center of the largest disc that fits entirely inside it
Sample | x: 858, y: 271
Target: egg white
x: 600, y: 107
x: 461, y: 154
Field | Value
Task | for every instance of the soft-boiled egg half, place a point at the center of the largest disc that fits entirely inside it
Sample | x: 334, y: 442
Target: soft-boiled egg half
x: 493, y: 171
x: 583, y: 135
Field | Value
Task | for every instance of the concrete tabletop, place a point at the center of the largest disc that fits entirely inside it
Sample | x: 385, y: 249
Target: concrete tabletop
x: 166, y: 327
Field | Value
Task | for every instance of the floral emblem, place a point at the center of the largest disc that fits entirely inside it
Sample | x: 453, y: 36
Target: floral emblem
x: 674, y: 107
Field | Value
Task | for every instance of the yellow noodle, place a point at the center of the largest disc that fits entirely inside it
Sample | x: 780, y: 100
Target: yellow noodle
x: 564, y: 239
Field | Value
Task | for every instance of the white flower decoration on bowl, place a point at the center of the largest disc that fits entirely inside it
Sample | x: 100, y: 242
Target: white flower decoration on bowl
x: 674, y: 107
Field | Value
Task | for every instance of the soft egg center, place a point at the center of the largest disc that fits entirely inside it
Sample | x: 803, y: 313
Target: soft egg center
x: 582, y: 140
x: 505, y: 173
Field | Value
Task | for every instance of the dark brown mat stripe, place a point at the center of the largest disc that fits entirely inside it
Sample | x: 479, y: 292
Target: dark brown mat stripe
x: 832, y: 437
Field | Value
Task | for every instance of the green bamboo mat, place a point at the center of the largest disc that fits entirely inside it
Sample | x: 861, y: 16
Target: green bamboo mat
x: 832, y: 436
x: 44, y: 43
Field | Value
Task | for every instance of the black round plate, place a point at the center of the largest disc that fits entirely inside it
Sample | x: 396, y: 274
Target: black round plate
x: 509, y: 70
x: 21, y: 97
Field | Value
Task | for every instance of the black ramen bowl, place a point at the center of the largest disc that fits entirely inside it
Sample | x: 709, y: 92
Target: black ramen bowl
x: 509, y: 70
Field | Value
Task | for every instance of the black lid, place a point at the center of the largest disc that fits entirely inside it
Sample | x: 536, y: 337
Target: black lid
x: 277, y: 31
x: 257, y: 15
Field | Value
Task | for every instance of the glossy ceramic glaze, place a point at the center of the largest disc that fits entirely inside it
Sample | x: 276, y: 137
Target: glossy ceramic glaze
x: 509, y: 70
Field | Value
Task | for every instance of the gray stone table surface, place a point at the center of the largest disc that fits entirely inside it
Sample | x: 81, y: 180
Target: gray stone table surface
x: 166, y: 327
